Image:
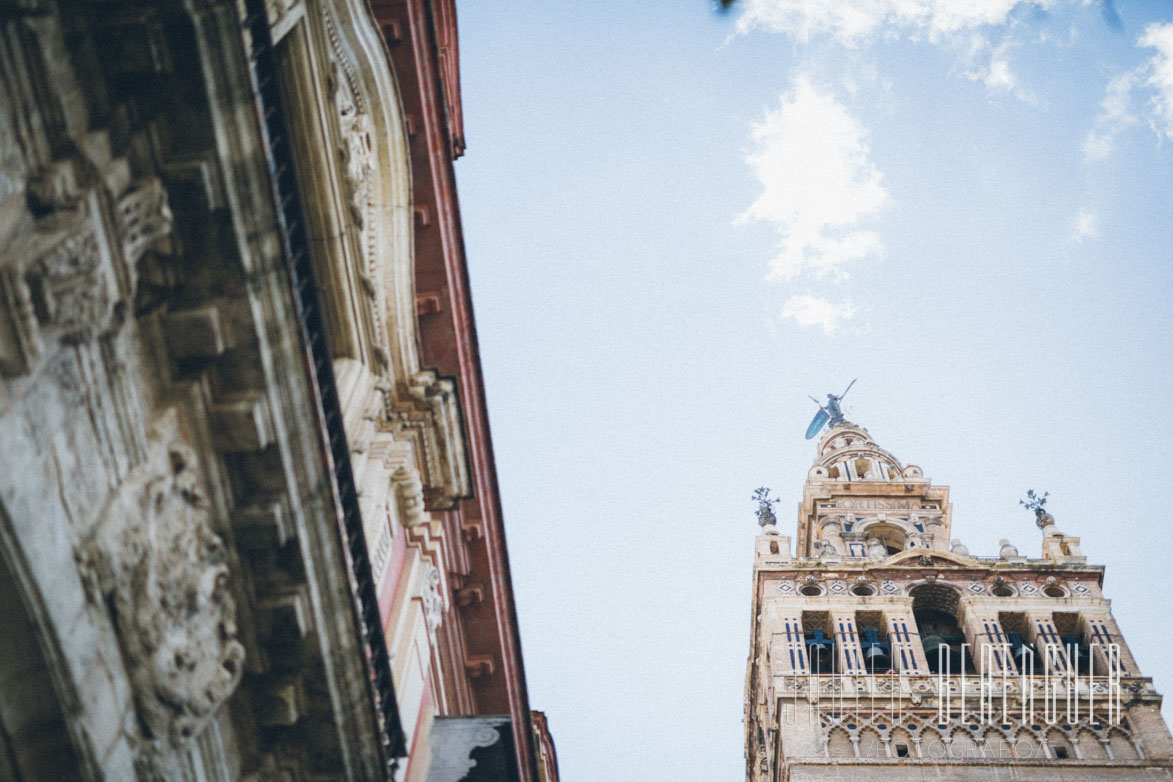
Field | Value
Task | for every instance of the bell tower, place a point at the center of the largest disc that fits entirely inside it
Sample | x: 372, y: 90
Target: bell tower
x: 881, y: 648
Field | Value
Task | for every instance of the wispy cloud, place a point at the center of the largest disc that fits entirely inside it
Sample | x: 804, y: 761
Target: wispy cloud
x: 990, y: 65
x: 810, y: 310
x: 1118, y: 111
x: 1086, y: 225
x: 1114, y: 118
x: 966, y: 26
x: 852, y: 21
x: 818, y: 184
x: 1160, y: 75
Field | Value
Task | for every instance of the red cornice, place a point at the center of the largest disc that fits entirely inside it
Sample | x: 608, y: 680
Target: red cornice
x: 548, y: 758
x: 481, y: 657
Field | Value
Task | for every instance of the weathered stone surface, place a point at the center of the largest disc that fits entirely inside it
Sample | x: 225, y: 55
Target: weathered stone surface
x: 165, y: 574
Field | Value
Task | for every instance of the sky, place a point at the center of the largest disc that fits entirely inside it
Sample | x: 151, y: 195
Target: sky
x: 680, y: 223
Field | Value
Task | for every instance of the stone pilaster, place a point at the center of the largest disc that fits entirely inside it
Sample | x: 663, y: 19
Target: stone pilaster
x: 1040, y: 631
x: 847, y: 646
x: 907, y: 654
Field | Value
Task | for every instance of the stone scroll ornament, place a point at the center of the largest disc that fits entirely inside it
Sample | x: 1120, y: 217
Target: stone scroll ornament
x: 164, y: 573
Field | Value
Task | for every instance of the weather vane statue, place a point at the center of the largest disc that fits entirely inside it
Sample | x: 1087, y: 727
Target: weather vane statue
x: 828, y: 412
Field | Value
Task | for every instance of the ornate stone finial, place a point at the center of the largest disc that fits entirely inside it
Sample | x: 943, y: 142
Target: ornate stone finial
x: 1008, y: 550
x: 1037, y: 504
x: 959, y: 548
x: 765, y: 510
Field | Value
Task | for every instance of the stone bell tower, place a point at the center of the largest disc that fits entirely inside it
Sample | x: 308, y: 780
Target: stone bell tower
x: 882, y: 649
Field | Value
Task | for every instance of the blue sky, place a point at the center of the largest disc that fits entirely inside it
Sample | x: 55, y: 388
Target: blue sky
x: 681, y: 223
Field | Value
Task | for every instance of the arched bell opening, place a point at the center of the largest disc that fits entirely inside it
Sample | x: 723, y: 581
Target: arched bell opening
x: 936, y: 609
x: 1027, y: 660
x: 890, y: 536
x: 34, y: 740
x: 819, y: 642
x: 1067, y: 627
x: 873, y: 642
x: 1078, y: 653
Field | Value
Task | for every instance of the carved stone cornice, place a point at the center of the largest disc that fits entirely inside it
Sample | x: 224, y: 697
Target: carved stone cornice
x: 428, y: 415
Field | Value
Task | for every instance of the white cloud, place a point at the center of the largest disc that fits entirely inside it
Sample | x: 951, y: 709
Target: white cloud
x: 851, y: 21
x: 1160, y: 75
x: 1155, y: 76
x: 817, y: 184
x: 1086, y: 225
x: 810, y: 310
x: 991, y: 66
x: 1115, y: 116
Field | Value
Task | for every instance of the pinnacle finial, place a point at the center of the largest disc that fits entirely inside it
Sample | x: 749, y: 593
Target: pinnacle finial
x: 765, y: 509
x: 1037, y: 503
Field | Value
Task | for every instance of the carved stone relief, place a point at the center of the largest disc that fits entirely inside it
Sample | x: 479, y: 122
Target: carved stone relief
x: 433, y: 602
x: 163, y: 573
x: 53, y: 282
x: 359, y: 152
x: 60, y: 280
x: 66, y: 285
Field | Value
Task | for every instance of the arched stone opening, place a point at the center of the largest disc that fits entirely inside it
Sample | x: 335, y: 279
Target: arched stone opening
x: 936, y: 608
x: 1121, y: 746
x: 892, y: 537
x: 34, y: 739
x: 839, y: 744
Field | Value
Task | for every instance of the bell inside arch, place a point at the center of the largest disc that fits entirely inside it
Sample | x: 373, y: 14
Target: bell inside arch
x: 1026, y: 659
x: 876, y: 655
x: 943, y: 654
x: 1078, y: 654
x: 820, y: 651
x: 940, y: 635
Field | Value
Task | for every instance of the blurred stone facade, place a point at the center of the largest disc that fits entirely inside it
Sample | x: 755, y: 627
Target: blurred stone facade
x: 249, y: 522
x: 870, y: 640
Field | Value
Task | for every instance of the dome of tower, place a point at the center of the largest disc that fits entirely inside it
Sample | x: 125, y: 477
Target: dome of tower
x: 848, y: 452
